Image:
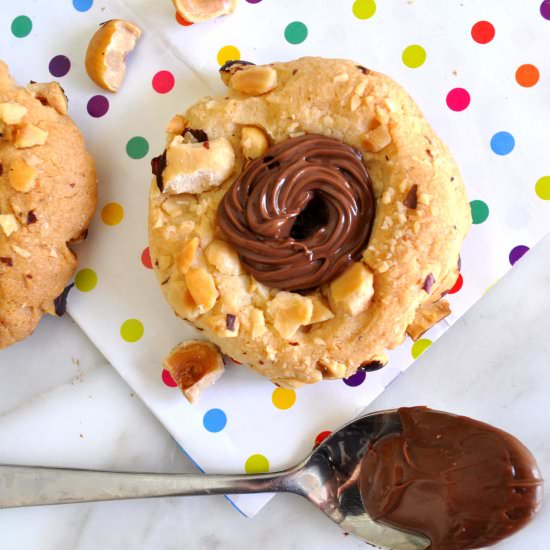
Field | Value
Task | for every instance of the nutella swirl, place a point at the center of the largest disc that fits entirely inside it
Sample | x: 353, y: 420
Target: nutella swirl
x: 301, y: 213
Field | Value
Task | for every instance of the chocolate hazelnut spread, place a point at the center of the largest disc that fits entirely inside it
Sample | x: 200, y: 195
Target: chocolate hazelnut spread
x: 301, y: 213
x: 462, y: 483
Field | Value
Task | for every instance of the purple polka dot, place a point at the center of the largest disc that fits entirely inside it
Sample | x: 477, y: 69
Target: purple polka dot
x: 98, y: 105
x: 355, y: 379
x: 545, y: 9
x: 60, y: 65
x: 253, y: 1
x: 517, y: 252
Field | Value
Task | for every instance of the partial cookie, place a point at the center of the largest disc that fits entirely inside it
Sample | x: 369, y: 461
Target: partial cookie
x: 47, y: 199
x: 305, y: 221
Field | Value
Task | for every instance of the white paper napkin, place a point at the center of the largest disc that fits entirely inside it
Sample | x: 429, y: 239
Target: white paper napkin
x: 507, y: 182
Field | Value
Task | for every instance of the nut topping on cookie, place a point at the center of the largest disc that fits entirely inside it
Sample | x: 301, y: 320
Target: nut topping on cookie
x: 12, y: 113
x: 21, y: 176
x: 194, y: 365
x: 254, y: 80
x: 51, y: 94
x: 29, y: 135
x: 352, y: 291
x: 193, y: 168
x: 289, y: 311
x: 202, y: 288
x: 8, y: 223
x: 107, y: 51
x: 253, y: 142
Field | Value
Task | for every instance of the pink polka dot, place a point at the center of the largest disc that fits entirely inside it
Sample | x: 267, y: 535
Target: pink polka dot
x: 163, y: 82
x: 458, y: 99
x: 146, y: 258
x: 167, y: 379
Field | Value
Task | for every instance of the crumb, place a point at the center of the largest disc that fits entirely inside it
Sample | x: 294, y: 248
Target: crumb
x: 75, y: 361
x: 81, y: 436
x: 132, y: 394
x: 455, y: 72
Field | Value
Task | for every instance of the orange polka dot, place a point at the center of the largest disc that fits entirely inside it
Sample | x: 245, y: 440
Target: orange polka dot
x: 112, y: 213
x: 527, y: 75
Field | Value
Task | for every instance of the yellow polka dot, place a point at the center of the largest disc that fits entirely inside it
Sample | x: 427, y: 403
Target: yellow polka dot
x: 131, y: 330
x: 420, y: 346
x: 112, y: 213
x: 256, y: 464
x: 413, y: 56
x: 542, y: 188
x: 364, y: 9
x: 85, y: 280
x: 228, y: 53
x: 283, y: 398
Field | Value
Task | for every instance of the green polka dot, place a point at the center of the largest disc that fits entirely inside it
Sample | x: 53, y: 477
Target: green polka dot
x: 21, y: 26
x: 420, y: 346
x: 85, y: 280
x: 414, y: 56
x: 296, y: 32
x: 131, y: 330
x: 480, y: 211
x: 364, y: 9
x: 542, y: 188
x: 256, y: 464
x: 137, y: 147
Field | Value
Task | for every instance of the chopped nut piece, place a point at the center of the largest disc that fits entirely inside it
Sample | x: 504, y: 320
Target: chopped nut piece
x: 332, y: 370
x: 193, y: 168
x: 352, y: 291
x: 194, y: 365
x: 176, y: 125
x: 51, y: 94
x: 8, y: 223
x: 29, y: 135
x: 223, y: 257
x: 376, y: 139
x: 253, y: 142
x: 254, y: 80
x: 107, y: 51
x: 342, y: 77
x: 289, y: 311
x: 354, y: 102
x: 21, y: 176
x: 257, y: 322
x: 321, y: 311
x: 218, y: 325
x: 427, y: 316
x: 202, y: 288
x: 12, y: 113
x: 20, y: 251
x: 185, y: 258
x: 230, y: 67
x: 196, y: 11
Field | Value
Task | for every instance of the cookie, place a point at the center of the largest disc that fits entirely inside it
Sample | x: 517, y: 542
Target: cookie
x: 47, y: 198
x: 308, y: 219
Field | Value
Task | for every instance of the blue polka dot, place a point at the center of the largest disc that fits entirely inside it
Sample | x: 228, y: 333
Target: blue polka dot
x: 214, y: 420
x: 82, y: 5
x: 502, y: 143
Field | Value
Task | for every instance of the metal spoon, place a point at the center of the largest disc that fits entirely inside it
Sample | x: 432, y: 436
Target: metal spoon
x: 326, y: 478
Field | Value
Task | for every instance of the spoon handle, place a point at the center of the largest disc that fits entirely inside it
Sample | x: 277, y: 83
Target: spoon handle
x: 31, y: 486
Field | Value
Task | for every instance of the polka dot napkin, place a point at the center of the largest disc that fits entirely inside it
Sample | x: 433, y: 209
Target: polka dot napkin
x: 478, y: 71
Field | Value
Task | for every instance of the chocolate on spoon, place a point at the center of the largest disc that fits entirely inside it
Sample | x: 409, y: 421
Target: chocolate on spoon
x: 428, y: 479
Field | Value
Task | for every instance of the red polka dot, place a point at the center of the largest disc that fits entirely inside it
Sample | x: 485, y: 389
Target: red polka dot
x: 167, y: 379
x: 457, y: 286
x: 321, y: 437
x: 458, y: 99
x: 483, y: 32
x: 163, y: 82
x: 146, y: 258
x: 182, y: 21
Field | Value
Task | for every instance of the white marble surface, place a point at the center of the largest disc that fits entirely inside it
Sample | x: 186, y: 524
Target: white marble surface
x: 61, y: 405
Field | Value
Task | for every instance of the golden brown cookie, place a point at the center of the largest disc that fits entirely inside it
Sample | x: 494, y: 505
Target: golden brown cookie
x: 47, y: 198
x: 305, y: 221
